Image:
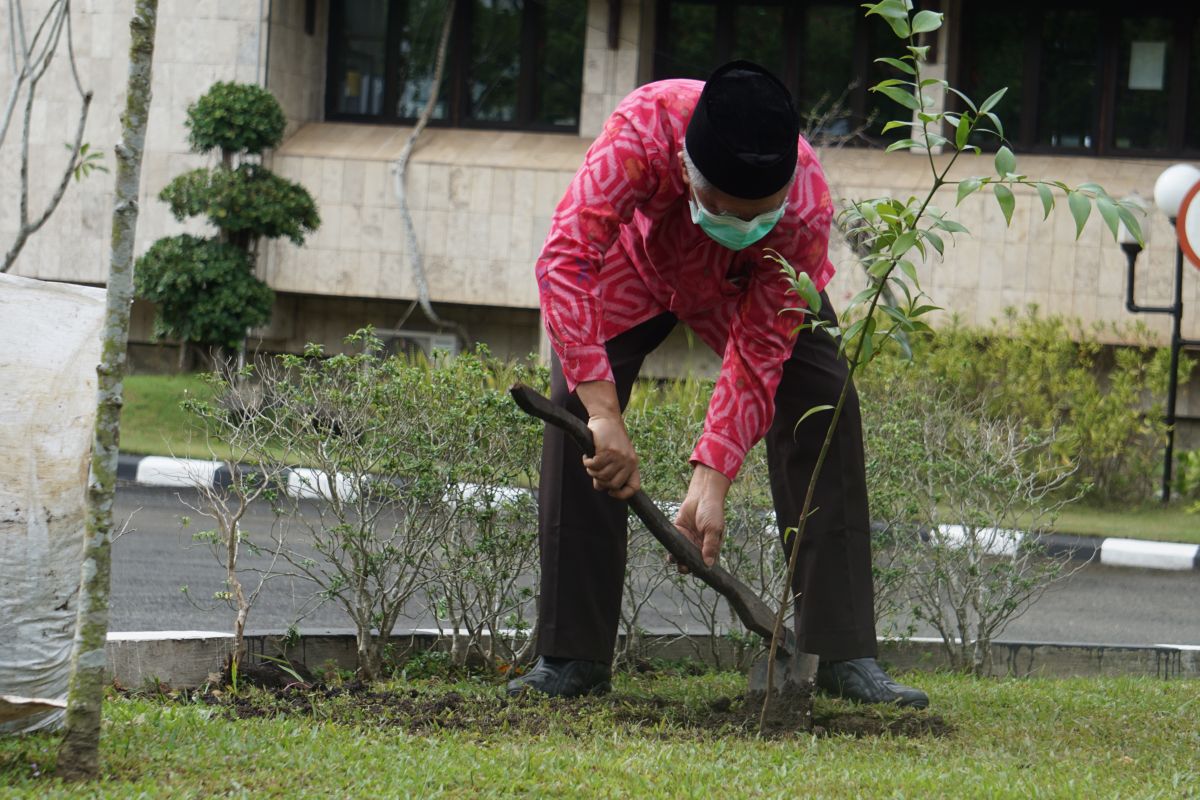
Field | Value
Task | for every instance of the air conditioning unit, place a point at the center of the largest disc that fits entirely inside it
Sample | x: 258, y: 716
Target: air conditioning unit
x: 412, y: 342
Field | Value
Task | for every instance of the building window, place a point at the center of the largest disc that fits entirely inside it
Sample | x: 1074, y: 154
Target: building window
x: 822, y: 50
x: 1096, y: 78
x: 511, y: 63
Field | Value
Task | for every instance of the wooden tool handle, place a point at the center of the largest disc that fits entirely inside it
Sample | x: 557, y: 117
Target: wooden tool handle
x: 748, y: 606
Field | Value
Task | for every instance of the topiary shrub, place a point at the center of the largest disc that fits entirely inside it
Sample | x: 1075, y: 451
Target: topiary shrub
x: 234, y: 117
x: 205, y: 290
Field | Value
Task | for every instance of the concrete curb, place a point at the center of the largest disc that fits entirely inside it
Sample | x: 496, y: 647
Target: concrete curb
x: 180, y: 473
x: 184, y: 659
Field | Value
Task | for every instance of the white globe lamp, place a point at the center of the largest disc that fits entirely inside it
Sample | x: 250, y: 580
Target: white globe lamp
x: 1171, y: 187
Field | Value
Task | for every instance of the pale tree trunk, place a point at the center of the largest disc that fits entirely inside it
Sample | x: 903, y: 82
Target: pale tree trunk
x: 79, y: 754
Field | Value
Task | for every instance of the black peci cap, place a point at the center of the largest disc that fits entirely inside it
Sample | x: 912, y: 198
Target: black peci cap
x: 742, y: 136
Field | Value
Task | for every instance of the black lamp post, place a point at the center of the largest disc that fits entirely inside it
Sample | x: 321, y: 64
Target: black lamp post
x: 1169, y: 190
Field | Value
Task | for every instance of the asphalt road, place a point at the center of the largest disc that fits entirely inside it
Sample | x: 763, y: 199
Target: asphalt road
x: 156, y: 556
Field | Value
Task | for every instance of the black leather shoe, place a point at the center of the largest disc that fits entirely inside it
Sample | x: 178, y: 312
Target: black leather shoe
x: 862, y: 679
x: 564, y: 677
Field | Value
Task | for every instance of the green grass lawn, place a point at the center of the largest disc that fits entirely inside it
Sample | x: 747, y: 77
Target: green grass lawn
x: 1172, y: 524
x: 1118, y: 737
x: 152, y: 421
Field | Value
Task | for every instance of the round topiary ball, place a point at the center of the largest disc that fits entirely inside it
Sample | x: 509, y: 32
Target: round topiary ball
x: 235, y: 117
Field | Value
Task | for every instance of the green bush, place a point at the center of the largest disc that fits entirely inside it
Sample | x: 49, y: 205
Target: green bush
x: 1101, y: 405
x: 234, y: 117
x: 247, y: 199
x: 204, y: 290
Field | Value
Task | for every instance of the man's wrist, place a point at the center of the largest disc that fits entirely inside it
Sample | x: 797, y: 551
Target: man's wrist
x: 710, y: 480
x: 600, y: 399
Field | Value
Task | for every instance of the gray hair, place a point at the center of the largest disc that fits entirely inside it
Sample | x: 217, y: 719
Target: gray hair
x: 699, y: 182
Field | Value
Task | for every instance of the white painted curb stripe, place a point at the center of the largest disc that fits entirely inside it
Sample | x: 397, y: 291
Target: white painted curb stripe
x: 163, y: 471
x: 993, y: 541
x: 312, y: 484
x: 1152, y: 555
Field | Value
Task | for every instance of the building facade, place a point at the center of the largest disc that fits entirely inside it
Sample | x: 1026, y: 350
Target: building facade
x: 1098, y: 92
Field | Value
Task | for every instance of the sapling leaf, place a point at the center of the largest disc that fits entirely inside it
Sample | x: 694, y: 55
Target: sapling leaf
x: 1108, y: 212
x: 936, y: 241
x: 1006, y: 162
x: 950, y: 226
x: 970, y: 103
x: 1081, y: 208
x: 1047, y: 199
x: 1004, y: 197
x: 896, y: 123
x: 926, y: 21
x: 904, y: 243
x: 806, y: 415
x: 903, y: 144
x: 961, y: 132
x: 900, y: 96
x: 910, y: 271
x: 1127, y: 215
x: 966, y: 187
x: 991, y: 102
x: 921, y: 53
x: 898, y: 64
x: 804, y: 286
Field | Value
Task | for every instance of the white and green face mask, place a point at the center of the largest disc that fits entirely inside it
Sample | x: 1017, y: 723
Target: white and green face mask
x: 730, y: 231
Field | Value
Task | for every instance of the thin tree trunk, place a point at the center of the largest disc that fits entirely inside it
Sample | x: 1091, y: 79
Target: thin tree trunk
x: 78, y: 756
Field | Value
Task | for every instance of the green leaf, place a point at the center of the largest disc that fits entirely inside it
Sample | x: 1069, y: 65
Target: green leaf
x: 1004, y: 197
x: 900, y: 96
x: 966, y: 187
x: 803, y: 285
x: 1130, y: 219
x: 1006, y: 162
x: 961, y: 132
x: 965, y: 99
x: 936, y: 241
x: 910, y: 271
x: 991, y: 102
x: 995, y: 121
x: 1047, y: 196
x: 919, y: 52
x: 904, y: 243
x: 950, y: 226
x: 890, y: 82
x: 1081, y: 208
x: 926, y: 21
x: 896, y: 123
x: 903, y: 144
x: 1108, y: 211
x: 898, y: 64
x: 813, y: 410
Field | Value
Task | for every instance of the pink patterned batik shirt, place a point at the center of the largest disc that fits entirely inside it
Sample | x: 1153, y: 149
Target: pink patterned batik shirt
x: 622, y: 249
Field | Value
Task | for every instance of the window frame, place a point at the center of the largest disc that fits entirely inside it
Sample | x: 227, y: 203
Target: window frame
x: 1110, y: 13
x: 457, y: 75
x: 857, y: 100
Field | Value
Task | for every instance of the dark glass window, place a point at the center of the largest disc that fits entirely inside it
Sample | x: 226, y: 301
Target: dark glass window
x: 1068, y: 107
x: 360, y: 62
x: 1096, y: 77
x: 510, y: 64
x: 822, y: 50
x: 827, y: 56
x: 993, y: 57
x: 1193, y: 81
x: 687, y: 32
x: 1143, y: 101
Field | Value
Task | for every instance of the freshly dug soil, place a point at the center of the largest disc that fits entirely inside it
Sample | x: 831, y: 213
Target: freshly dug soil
x: 423, y: 711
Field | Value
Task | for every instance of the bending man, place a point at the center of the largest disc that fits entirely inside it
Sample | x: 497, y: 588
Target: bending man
x: 667, y: 222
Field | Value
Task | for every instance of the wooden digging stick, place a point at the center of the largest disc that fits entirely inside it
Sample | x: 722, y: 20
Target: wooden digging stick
x: 748, y: 606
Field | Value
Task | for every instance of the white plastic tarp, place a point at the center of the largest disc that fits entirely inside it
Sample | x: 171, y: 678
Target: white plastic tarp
x: 49, y: 349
